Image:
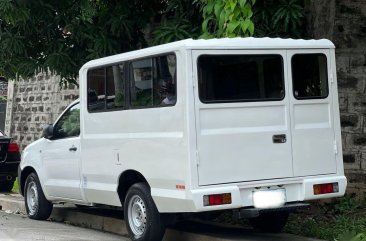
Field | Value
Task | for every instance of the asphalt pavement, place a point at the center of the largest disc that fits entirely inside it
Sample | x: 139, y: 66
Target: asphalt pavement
x: 91, y: 224
x: 20, y: 228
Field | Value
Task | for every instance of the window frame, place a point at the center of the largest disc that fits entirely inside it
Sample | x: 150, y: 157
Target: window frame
x: 243, y: 100
x: 105, y: 109
x: 153, y: 65
x: 127, y: 75
x: 59, y: 119
x: 327, y: 76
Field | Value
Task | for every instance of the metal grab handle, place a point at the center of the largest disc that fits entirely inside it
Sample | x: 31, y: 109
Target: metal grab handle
x: 279, y: 138
x: 73, y: 148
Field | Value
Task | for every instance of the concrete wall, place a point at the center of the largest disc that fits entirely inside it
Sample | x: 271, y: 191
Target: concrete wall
x: 34, y: 102
x: 344, y: 22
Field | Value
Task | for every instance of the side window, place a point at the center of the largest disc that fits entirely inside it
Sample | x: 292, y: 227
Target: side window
x: 141, y: 83
x: 69, y: 124
x: 153, y: 82
x: 309, y: 76
x: 106, y: 88
x: 115, y: 87
x: 96, y: 89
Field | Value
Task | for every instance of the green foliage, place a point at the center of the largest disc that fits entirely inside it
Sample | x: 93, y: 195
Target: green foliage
x: 352, y: 236
x: 172, y: 30
x: 342, y: 220
x: 180, y: 20
x: 60, y: 36
x: 227, y: 18
x: 279, y: 18
x: 344, y: 205
x: 16, y: 186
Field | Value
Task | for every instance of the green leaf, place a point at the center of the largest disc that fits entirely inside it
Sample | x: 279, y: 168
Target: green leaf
x: 232, y: 5
x: 242, y: 3
x: 245, y: 25
x: 222, y: 20
x: 251, y: 28
x: 218, y: 9
x: 232, y: 26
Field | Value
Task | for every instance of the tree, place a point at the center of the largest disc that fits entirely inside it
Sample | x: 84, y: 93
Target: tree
x: 62, y: 35
x: 279, y: 18
x: 227, y: 18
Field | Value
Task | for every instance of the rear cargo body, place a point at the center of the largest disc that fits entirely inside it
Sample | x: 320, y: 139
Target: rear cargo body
x: 267, y: 117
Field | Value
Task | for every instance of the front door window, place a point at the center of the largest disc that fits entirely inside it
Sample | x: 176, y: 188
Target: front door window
x: 69, y: 124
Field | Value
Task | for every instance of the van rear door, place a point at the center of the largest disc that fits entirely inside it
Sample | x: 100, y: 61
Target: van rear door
x: 311, y: 105
x: 242, y: 115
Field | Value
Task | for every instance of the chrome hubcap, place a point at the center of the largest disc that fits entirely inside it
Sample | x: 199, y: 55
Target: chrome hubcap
x: 32, y: 198
x: 137, y: 215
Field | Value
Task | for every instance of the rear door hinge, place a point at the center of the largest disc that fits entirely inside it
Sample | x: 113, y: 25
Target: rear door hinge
x: 198, y: 158
x: 335, y: 147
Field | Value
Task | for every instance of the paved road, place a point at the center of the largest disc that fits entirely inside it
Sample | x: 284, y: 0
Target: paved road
x: 20, y: 228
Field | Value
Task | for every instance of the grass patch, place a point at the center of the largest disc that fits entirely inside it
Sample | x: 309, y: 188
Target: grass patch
x: 15, y: 187
x: 341, y: 220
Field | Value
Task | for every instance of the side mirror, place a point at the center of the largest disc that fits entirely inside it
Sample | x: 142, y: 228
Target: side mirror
x: 48, y: 131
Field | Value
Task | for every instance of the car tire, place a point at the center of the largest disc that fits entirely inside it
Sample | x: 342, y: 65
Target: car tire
x: 272, y: 222
x: 6, y: 186
x: 36, y: 204
x: 143, y: 220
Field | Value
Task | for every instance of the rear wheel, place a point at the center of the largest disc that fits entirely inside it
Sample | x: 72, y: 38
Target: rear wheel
x: 6, y: 186
x: 272, y: 222
x: 36, y: 204
x: 143, y: 220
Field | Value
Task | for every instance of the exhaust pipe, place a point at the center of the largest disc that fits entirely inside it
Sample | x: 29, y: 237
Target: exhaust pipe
x: 9, y: 178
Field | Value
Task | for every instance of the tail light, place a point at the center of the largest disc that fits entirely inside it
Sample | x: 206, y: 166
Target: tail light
x: 217, y: 199
x: 13, y: 147
x: 325, y: 188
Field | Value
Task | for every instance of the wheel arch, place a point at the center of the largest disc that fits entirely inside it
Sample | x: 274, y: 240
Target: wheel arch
x: 126, y: 180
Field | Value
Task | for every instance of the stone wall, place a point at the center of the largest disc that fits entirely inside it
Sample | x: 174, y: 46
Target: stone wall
x: 344, y: 22
x: 33, y: 103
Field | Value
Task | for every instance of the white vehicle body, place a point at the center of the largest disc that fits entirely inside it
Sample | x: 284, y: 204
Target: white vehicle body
x: 191, y: 149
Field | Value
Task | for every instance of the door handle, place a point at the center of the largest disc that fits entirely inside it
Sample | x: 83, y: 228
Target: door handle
x: 279, y: 138
x: 73, y: 148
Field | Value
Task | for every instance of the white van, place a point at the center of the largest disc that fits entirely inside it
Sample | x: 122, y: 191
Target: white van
x: 246, y: 124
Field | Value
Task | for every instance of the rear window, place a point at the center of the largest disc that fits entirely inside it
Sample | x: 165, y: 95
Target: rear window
x: 309, y: 76
x: 239, y: 78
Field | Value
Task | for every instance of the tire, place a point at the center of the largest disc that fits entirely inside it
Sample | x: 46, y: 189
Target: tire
x: 6, y: 186
x: 143, y: 219
x: 272, y: 222
x: 36, y: 204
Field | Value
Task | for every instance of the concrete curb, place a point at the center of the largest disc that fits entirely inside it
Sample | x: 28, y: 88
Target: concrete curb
x: 112, y: 222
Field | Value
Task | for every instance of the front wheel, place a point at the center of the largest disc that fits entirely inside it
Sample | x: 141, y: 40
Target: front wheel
x: 36, y: 204
x: 272, y: 222
x: 143, y: 219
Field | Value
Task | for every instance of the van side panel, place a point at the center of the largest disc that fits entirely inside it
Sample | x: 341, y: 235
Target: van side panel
x: 152, y: 141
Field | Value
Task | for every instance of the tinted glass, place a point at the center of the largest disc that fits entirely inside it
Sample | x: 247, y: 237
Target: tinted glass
x: 165, y: 84
x: 234, y: 78
x: 141, y: 83
x: 69, y: 123
x: 115, y: 87
x: 309, y: 76
x: 96, y: 89
x: 153, y: 82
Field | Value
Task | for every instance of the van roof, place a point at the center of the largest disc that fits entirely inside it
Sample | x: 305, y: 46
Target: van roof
x: 222, y: 43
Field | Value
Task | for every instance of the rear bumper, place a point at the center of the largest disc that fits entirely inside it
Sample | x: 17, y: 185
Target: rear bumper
x: 296, y: 190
